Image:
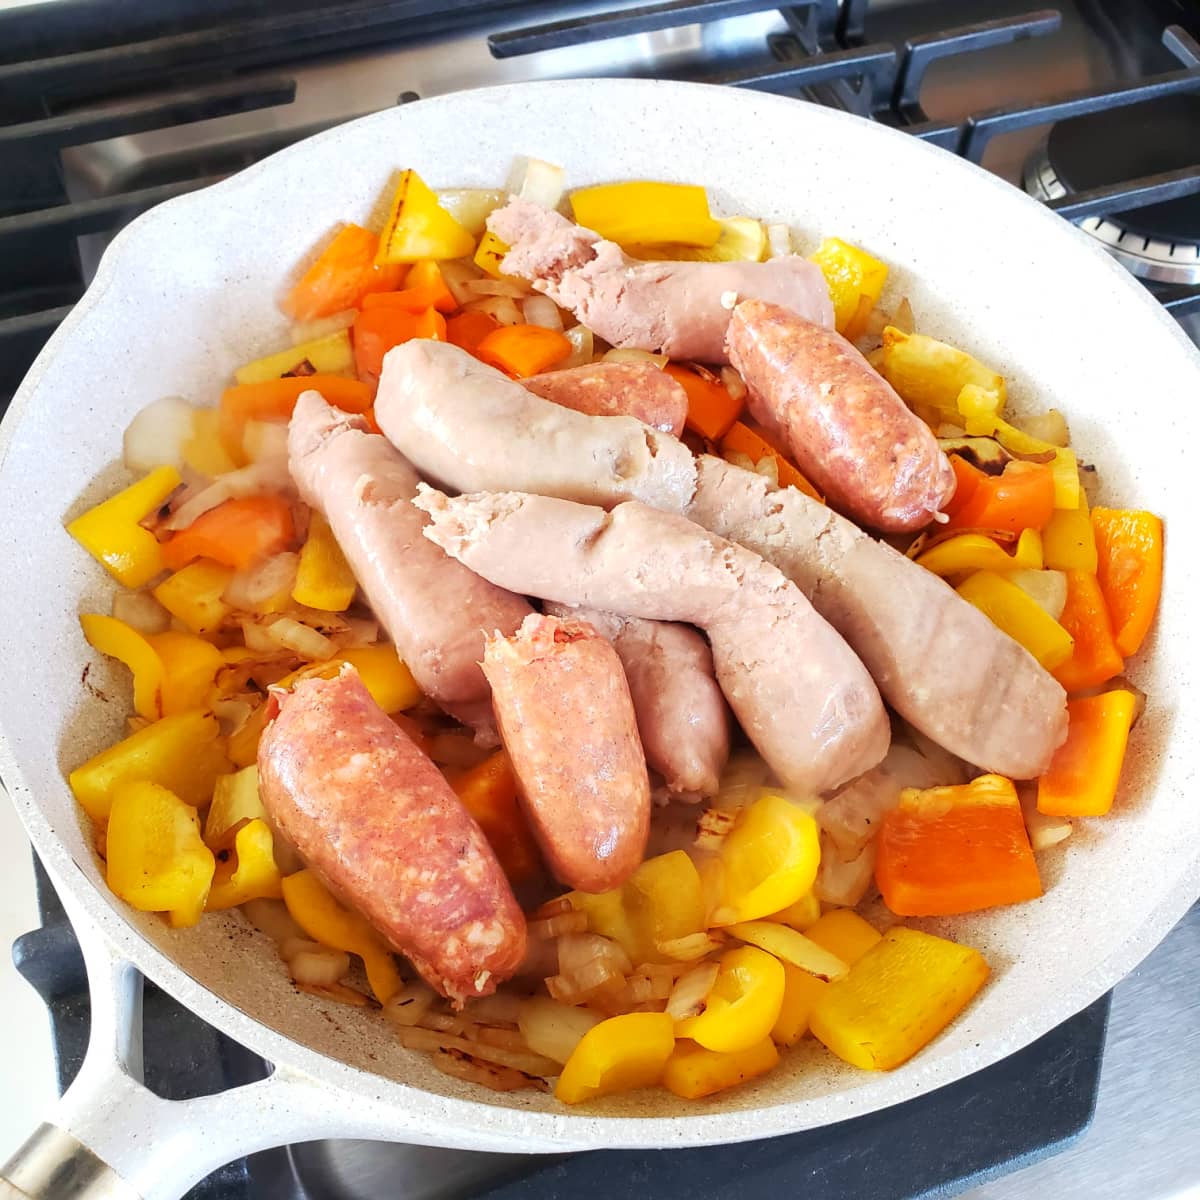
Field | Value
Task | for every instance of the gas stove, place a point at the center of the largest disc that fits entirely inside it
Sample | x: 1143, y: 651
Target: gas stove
x: 107, y: 108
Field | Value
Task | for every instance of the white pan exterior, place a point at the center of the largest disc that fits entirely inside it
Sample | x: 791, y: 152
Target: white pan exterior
x: 186, y: 293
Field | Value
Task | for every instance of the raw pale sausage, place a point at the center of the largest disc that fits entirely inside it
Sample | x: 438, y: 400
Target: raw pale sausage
x: 617, y: 389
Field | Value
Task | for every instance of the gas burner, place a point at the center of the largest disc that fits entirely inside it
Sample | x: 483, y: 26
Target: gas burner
x: 1160, y: 242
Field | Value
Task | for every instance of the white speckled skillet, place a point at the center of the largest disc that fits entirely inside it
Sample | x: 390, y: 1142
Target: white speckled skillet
x: 186, y: 293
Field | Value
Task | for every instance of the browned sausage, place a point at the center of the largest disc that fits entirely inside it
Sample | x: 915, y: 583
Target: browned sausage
x: 568, y: 724
x: 616, y: 389
x: 377, y: 821
x: 846, y: 428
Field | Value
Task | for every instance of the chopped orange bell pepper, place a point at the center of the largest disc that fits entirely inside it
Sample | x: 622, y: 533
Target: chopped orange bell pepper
x: 1129, y: 548
x: 743, y: 1005
x: 523, y: 350
x: 238, y: 533
x: 345, y: 271
x: 1021, y: 498
x: 618, y: 1055
x: 489, y: 793
x: 274, y: 399
x: 1095, y: 658
x: 741, y: 439
x: 843, y: 932
x: 956, y: 849
x: 693, y: 1072
x: 1083, y: 775
x: 424, y: 288
x: 377, y: 330
x: 711, y: 409
x: 468, y: 329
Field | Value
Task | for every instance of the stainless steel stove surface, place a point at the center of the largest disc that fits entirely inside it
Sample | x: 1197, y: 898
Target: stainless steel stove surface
x: 107, y: 108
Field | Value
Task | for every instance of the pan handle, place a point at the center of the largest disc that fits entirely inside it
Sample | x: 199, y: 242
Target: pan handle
x: 111, y: 1138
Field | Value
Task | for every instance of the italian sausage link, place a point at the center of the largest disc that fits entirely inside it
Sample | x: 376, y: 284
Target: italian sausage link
x: 371, y: 815
x: 615, y: 389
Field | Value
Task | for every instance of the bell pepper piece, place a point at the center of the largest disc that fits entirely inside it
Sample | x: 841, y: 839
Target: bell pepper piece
x: 843, y: 932
x: 1068, y: 539
x: 235, y: 802
x: 345, y: 272
x: 617, y: 1055
x: 979, y: 408
x: 274, y: 400
x: 194, y: 595
x: 956, y: 849
x: 1020, y: 616
x: 328, y: 355
x: 632, y: 214
x: 855, y: 282
x: 801, y: 915
x: 467, y: 330
x: 243, y: 741
x: 742, y: 239
x: 769, y: 859
x: 1083, y: 775
x: 384, y: 675
x: 490, y: 254
x: 1095, y: 658
x: 239, y: 533
x: 1129, y: 548
x: 743, y: 1005
x: 977, y: 552
x: 488, y: 791
x: 928, y: 372
x: 665, y: 901
x: 156, y: 861
x: 124, y: 643
x: 419, y: 227
x: 323, y: 578
x: 897, y: 998
x: 424, y: 288
x: 249, y: 873
x: 801, y: 991
x: 790, y: 946
x: 327, y: 922
x: 204, y: 451
x: 377, y: 330
x: 742, y: 439
x: 693, y: 1072
x: 112, y: 535
x: 608, y: 916
x: 523, y: 350
x: 1021, y: 498
x: 184, y: 753
x: 189, y: 665
x: 712, y: 411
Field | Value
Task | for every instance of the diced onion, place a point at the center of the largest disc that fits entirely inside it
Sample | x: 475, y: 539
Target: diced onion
x: 416, y: 1038
x: 536, y: 180
x: 553, y: 1029
x: 141, y: 611
x: 506, y: 1039
x: 735, y: 385
x: 300, y: 943
x: 779, y: 239
x: 840, y: 882
x: 578, y: 951
x: 306, y: 642
x: 361, y: 631
x: 457, y: 274
x: 257, y: 639
x: 713, y: 827
x: 273, y: 918
x: 231, y: 711
x: 444, y: 1022
x: 262, y: 440
x: 500, y: 1008
x: 618, y: 355
x: 551, y: 927
x: 541, y: 310
x: 471, y: 207
x: 410, y: 1004
x: 252, y: 586
x: 501, y: 308
x: 156, y: 436
x: 1045, y: 831
x: 690, y: 948
x: 258, y: 479
x: 903, y: 318
x: 498, y: 287
x: 319, y: 968
x: 687, y: 998
x: 1050, y: 426
x: 582, y: 347
x: 310, y: 331
x: 560, y: 904
x: 1047, y: 588
x: 744, y: 774
x: 768, y: 468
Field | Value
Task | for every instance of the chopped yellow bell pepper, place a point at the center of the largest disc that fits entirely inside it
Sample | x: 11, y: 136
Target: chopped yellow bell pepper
x: 643, y: 213
x: 235, y: 802
x: 805, y: 912
x: 693, y: 1072
x: 111, y: 532
x: 189, y: 665
x: 184, y: 753
x: 127, y: 645
x: 790, y: 946
x: 1069, y: 539
x: 843, y: 932
x: 194, y: 594
x: 899, y: 996
x: 1020, y: 616
x: 330, y: 355
x: 156, y: 860
x: 204, y: 451
x: 326, y: 921
x: 928, y: 372
x: 385, y: 676
x: 608, y: 916
x: 1085, y: 771
x: 855, y: 282
x: 489, y: 255
x: 743, y: 1005
x: 243, y: 741
x: 617, y: 1055
x: 419, y: 227
x: 743, y: 239
x: 769, y: 859
x: 250, y: 872
x: 324, y: 579
x: 801, y: 991
x: 978, y: 552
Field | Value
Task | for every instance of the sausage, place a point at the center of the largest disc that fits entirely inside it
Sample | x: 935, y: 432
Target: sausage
x: 568, y: 725
x: 377, y: 821
x: 802, y: 697
x: 846, y: 428
x: 616, y: 389
x: 450, y: 414
x: 682, y: 717
x: 678, y: 308
x: 434, y: 609
x: 940, y: 663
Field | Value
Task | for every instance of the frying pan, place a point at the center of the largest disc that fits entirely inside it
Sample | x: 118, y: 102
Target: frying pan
x: 186, y: 293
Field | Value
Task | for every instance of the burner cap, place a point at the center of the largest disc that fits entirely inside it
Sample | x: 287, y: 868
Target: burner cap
x: 1126, y: 143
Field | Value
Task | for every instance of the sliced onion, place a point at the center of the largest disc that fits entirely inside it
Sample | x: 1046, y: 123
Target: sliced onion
x: 536, y: 180
x: 258, y: 479
x: 460, y: 1065
x: 310, y: 331
x: 1047, y: 588
x: 232, y: 712
x: 306, y: 642
x: 735, y: 385
x: 688, y: 997
x: 582, y: 347
x: 416, y: 1038
x: 1045, y: 831
x: 578, y: 951
x: 444, y: 1022
x: 360, y: 631
x: 744, y: 774
x: 457, y: 274
x: 618, y: 355
x: 319, y: 968
x: 501, y: 308
x: 262, y: 440
x: 289, y: 947
x: 410, y: 1004
x: 691, y: 948
x: 506, y: 1039
x: 840, y: 882
x: 553, y: 1029
x: 541, y: 310
x: 156, y: 436
x: 500, y: 1008
x: 498, y: 287
x: 252, y: 586
x: 779, y: 239
x: 713, y: 827
x: 1050, y: 426
x: 273, y: 918
x: 258, y: 640
x: 574, y: 921
x: 768, y: 468
x: 471, y: 207
x: 141, y: 611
